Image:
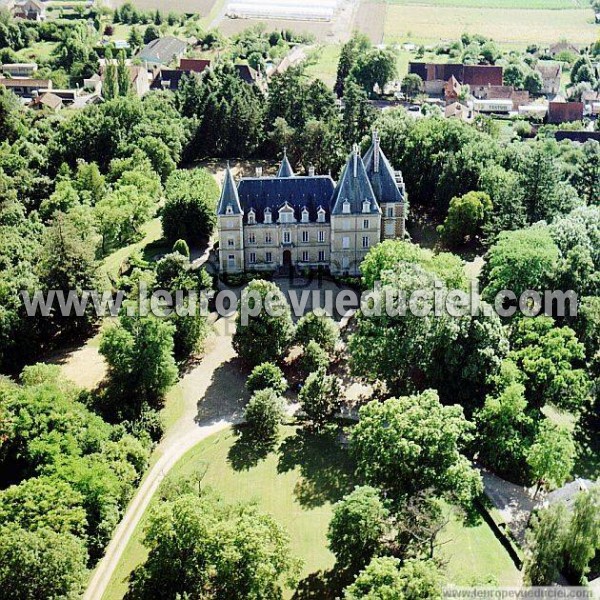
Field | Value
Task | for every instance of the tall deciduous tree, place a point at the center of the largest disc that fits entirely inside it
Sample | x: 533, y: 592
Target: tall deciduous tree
x: 266, y: 336
x: 408, y: 444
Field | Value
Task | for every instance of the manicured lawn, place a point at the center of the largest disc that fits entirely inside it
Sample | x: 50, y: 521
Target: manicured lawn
x: 297, y: 483
x: 474, y: 555
x: 152, y: 231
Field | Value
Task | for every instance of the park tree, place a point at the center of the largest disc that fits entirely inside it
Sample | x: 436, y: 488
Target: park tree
x: 181, y: 247
x: 411, y: 85
x: 526, y: 259
x: 466, y: 217
x: 357, y: 45
x: 505, y: 429
x: 123, y: 79
x: 552, y: 455
x: 545, y: 542
x: 357, y: 528
x: 199, y: 546
x: 553, y: 362
x: 190, y: 209
x: 321, y: 398
x: 408, y: 444
x: 514, y: 74
x: 374, y: 68
x: 139, y: 353
x: 385, y: 578
x: 264, y: 413
x: 135, y: 38
x: 583, y: 539
x: 319, y: 328
x: 313, y: 358
x: 266, y: 336
x: 358, y: 113
x: 151, y: 33
x: 41, y: 564
x: 44, y: 502
x: 587, y: 177
x: 110, y: 85
x: 266, y: 375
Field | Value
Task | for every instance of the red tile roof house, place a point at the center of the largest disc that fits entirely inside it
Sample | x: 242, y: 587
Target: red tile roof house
x: 565, y: 112
x: 197, y: 65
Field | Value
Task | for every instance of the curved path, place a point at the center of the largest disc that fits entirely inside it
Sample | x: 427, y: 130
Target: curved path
x: 213, y: 396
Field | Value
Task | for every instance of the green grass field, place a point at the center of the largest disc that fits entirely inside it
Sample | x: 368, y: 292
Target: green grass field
x: 483, y: 4
x: 297, y: 484
x: 435, y: 20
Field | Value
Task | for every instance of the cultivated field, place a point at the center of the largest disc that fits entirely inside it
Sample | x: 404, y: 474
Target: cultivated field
x: 431, y: 23
x: 370, y: 19
x: 321, y: 30
x: 201, y: 7
x: 521, y: 4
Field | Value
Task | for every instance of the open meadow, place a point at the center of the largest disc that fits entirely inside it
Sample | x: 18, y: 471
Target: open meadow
x: 508, y: 22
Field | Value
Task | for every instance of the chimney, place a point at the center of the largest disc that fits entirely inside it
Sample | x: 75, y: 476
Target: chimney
x: 258, y: 171
x: 311, y: 171
x: 375, y: 151
x: 355, y: 159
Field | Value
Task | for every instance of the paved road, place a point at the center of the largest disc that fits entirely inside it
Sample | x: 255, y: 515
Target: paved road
x: 213, y: 397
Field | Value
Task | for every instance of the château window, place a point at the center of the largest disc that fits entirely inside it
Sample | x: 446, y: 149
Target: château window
x: 321, y: 236
x: 268, y: 257
x: 268, y: 217
x: 346, y: 207
x: 321, y: 215
x: 365, y: 241
x: 230, y: 242
x: 252, y: 257
x: 366, y: 224
x: 321, y: 255
x: 251, y: 218
x: 229, y: 210
x: 231, y: 260
x: 390, y: 211
x: 268, y: 238
x: 305, y: 256
x: 305, y: 216
x: 305, y: 236
x: 366, y: 206
x: 287, y: 237
x: 251, y: 238
x: 345, y: 242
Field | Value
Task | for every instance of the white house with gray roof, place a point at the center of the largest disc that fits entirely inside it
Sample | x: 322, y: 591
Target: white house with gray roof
x: 310, y: 222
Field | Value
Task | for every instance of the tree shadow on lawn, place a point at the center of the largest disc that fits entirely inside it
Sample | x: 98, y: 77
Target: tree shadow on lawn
x: 322, y: 585
x: 327, y: 471
x: 248, y: 449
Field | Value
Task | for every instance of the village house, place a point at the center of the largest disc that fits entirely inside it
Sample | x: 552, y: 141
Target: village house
x: 26, y: 87
x: 162, y: 51
x: 551, y: 73
x: 31, y: 10
x: 309, y: 222
x: 564, y: 112
x: 456, y: 110
x: 47, y: 101
x: 561, y: 48
x: 19, y: 69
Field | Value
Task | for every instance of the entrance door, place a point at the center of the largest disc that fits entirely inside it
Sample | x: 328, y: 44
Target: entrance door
x: 287, y: 258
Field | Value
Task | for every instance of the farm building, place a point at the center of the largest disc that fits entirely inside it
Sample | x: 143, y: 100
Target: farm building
x: 435, y: 76
x: 550, y: 72
x: 309, y: 10
x: 565, y: 112
x: 162, y: 51
x: 493, y: 106
x: 19, y: 69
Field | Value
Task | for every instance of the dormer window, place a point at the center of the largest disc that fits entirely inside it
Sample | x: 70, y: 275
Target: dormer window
x: 366, y: 206
x: 251, y: 217
x: 268, y: 217
x: 229, y: 210
x: 321, y: 215
x: 305, y: 215
x: 286, y: 214
x: 346, y: 207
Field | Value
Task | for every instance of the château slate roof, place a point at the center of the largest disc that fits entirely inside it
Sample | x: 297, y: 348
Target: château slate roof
x: 354, y: 187
x: 285, y: 169
x: 258, y: 193
x: 371, y: 178
x: 229, y: 195
x: 381, y: 174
